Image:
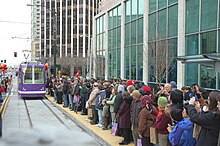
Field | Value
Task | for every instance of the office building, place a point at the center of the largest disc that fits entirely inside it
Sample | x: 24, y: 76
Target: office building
x: 144, y: 39
x: 71, y: 21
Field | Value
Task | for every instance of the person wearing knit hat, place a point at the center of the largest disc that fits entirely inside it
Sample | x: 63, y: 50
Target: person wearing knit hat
x: 162, y: 120
x: 145, y: 90
x: 129, y: 82
x: 136, y: 94
x: 162, y: 101
x: 182, y: 132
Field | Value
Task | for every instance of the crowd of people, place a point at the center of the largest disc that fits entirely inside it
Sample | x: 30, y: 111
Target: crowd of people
x: 170, y: 116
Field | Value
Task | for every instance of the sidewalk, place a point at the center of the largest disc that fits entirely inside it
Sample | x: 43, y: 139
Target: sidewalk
x: 104, y: 137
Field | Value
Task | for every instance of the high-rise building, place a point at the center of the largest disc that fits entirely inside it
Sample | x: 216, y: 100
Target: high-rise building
x: 143, y: 39
x: 71, y: 21
x: 35, y: 29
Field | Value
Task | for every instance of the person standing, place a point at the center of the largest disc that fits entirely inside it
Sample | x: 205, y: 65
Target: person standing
x: 0, y: 124
x: 84, y: 96
x: 208, y: 120
x: 123, y: 118
x: 136, y: 107
x: 162, y: 121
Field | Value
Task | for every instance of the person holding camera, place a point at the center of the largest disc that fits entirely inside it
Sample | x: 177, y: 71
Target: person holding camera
x: 208, y: 120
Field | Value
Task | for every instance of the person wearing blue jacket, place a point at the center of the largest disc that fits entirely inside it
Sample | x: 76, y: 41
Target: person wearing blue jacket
x: 182, y: 133
x: 98, y: 105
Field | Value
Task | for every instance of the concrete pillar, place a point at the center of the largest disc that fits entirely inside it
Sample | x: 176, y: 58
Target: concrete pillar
x: 181, y: 43
x: 122, y: 39
x: 106, y: 45
x: 145, y: 44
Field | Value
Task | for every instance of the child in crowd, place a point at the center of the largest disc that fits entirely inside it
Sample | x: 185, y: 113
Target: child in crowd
x: 182, y: 133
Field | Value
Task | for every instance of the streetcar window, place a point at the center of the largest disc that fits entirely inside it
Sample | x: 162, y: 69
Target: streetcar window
x: 27, y: 76
x: 38, y: 76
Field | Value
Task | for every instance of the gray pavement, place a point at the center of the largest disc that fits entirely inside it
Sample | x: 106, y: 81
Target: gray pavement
x: 47, y: 129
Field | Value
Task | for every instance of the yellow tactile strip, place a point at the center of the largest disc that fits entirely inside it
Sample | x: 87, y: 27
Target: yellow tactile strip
x: 4, y: 105
x: 103, y: 136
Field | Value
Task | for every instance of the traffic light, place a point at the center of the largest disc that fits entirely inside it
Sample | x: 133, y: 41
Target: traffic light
x: 5, y: 61
x: 15, y: 54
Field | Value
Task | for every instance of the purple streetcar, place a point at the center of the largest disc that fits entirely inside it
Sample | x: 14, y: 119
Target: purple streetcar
x: 31, y: 80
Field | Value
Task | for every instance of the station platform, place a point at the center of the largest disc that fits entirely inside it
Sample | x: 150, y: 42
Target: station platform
x: 104, y: 137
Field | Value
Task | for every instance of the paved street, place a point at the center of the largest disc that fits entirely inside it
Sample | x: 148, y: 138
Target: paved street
x: 47, y: 128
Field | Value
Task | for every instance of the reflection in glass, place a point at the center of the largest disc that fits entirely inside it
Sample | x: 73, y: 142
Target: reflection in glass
x: 128, y: 11
x: 208, y: 77
x: 192, y: 45
x: 209, y: 14
x: 162, y: 23
x: 191, y: 75
x: 192, y: 16
x: 208, y: 42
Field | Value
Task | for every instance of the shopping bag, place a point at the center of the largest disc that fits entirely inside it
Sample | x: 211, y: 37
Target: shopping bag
x: 89, y: 112
x: 196, y: 131
x: 114, y: 128
x: 153, y: 135
x: 76, y: 99
x: 139, y: 142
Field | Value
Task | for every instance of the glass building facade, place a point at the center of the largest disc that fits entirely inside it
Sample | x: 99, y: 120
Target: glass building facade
x: 143, y: 38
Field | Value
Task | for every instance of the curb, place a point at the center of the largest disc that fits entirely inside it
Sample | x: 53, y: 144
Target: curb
x: 4, y: 105
x: 81, y: 125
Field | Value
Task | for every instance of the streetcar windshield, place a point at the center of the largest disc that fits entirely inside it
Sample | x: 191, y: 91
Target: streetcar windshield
x: 38, y: 76
x: 27, y: 75
x: 33, y: 75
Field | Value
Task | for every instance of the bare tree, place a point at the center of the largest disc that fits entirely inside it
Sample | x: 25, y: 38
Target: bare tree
x: 161, y: 61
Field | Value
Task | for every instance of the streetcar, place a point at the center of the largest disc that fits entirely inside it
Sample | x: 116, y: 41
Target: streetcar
x: 31, y: 80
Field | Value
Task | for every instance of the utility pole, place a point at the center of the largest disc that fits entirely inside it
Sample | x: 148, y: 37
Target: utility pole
x: 55, y: 40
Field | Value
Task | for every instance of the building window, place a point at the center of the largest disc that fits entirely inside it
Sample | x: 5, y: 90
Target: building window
x: 192, y: 16
x: 192, y: 46
x: 208, y: 42
x: 209, y: 14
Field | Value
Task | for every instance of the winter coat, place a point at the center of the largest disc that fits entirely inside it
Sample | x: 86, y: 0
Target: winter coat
x: 59, y: 87
x: 162, y: 123
x: 118, y: 102
x: 111, y: 102
x: 219, y: 138
x: 84, y: 92
x: 100, y: 96
x: 108, y: 92
x: 92, y: 97
x: 145, y: 121
x: 65, y: 87
x: 123, y: 114
x: 136, y: 107
x: 182, y: 134
x: 76, y: 90
x: 210, y: 125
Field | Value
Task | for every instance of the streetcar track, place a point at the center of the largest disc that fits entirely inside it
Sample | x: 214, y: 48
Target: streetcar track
x: 61, y: 121
x: 28, y: 114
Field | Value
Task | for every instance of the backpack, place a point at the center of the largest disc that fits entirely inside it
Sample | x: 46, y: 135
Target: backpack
x: 65, y: 87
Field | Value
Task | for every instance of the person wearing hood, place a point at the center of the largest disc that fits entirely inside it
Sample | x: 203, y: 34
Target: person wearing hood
x: 146, y: 118
x: 124, y: 116
x: 182, y: 133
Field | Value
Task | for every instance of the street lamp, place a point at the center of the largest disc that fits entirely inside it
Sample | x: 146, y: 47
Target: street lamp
x: 26, y: 54
x: 54, y: 16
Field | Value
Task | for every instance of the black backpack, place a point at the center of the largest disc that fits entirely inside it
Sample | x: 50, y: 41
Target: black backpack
x: 65, y: 87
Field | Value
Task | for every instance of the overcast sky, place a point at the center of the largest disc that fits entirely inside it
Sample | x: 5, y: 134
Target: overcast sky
x: 11, y: 12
